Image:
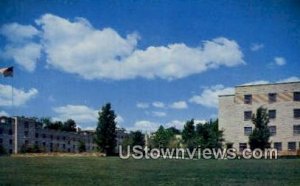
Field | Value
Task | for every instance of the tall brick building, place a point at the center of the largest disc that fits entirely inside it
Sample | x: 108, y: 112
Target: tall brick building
x: 283, y: 103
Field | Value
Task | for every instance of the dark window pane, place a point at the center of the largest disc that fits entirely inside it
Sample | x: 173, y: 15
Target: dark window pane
x: 242, y: 146
x: 278, y: 146
x: 272, y: 114
x: 296, y: 96
x: 296, y: 113
x: 272, y: 130
x: 247, y: 131
x: 248, y: 99
x: 272, y: 97
x: 247, y: 115
x: 292, y: 146
x: 296, y: 129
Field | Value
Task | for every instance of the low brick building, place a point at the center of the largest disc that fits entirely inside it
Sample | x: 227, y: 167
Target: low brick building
x: 283, y: 103
x: 20, y: 132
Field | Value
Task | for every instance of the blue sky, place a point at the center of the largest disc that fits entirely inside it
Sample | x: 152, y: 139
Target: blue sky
x: 156, y: 62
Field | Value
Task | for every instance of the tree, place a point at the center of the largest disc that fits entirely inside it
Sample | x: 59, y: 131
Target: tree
x: 106, y: 130
x: 188, y: 134
x: 134, y: 138
x: 173, y: 130
x: 259, y: 138
x: 69, y: 126
x: 162, y: 137
x: 81, y: 147
x: 2, y: 150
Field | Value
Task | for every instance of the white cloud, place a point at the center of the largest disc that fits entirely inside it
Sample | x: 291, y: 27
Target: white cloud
x: 209, y: 96
x: 144, y: 125
x: 179, y: 105
x: 142, y: 105
x: 158, y: 104
x: 280, y: 61
x: 83, y: 115
x: 176, y: 123
x: 3, y: 113
x: 119, y: 119
x: 256, y: 46
x: 159, y: 114
x: 20, y: 46
x: 20, y: 96
x: 290, y: 79
x: 16, y: 33
x: 259, y: 82
x: 77, y: 47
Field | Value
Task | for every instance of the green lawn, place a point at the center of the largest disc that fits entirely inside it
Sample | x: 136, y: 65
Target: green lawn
x: 114, y: 171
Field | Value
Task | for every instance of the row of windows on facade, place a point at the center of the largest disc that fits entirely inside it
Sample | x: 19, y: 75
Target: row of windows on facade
x: 277, y: 145
x: 271, y: 96
x: 271, y: 114
x: 272, y: 129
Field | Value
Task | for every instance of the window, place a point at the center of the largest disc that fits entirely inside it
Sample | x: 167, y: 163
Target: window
x: 272, y: 130
x: 247, y: 131
x: 1, y: 140
x: 242, y: 146
x: 64, y: 146
x: 64, y: 138
x: 37, y: 135
x: 296, y: 96
x: 296, y: 113
x: 272, y: 114
x: 247, y: 115
x: 10, y: 141
x: 272, y: 97
x: 296, y: 129
x: 248, y: 99
x: 278, y: 146
x: 292, y: 146
x: 51, y: 137
x: 57, y: 138
x: 26, y: 133
x: 44, y: 135
x: 10, y: 131
x: 26, y: 125
x: 26, y: 142
x: 1, y: 130
x: 36, y: 143
x: 44, y: 144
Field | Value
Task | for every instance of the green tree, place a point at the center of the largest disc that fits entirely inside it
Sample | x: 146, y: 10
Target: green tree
x: 69, y: 126
x: 106, y: 130
x: 259, y: 138
x: 81, y: 146
x: 162, y: 137
x: 189, y: 134
x: 2, y: 150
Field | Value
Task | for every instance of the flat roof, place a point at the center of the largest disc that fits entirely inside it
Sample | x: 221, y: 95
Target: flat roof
x: 262, y: 84
x: 224, y: 95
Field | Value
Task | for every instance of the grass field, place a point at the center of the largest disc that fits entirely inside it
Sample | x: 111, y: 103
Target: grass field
x: 114, y: 171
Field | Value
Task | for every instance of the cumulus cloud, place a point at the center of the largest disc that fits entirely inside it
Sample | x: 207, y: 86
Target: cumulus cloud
x: 289, y: 79
x: 179, y: 105
x: 209, y: 96
x: 142, y: 105
x: 158, y: 104
x: 86, y: 117
x: 75, y: 46
x: 280, y: 61
x: 256, y: 46
x: 144, y: 125
x: 20, y: 46
x: 21, y: 96
x: 159, y: 114
x: 3, y: 113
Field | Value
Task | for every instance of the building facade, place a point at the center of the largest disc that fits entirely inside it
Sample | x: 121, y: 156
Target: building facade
x: 283, y: 103
x: 17, y: 133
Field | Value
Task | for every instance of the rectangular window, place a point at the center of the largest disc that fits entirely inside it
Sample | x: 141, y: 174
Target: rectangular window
x: 272, y: 130
x: 248, y: 99
x: 1, y: 140
x: 1, y: 130
x: 36, y: 143
x: 26, y: 133
x: 278, y: 146
x: 247, y: 115
x: 10, y: 141
x: 292, y: 146
x: 272, y: 97
x: 44, y: 144
x: 242, y: 146
x: 57, y: 138
x: 296, y: 129
x: 26, y: 125
x: 272, y: 114
x: 51, y: 137
x: 37, y: 135
x: 10, y: 132
x: 296, y: 96
x: 296, y: 113
x: 247, y: 131
x: 44, y: 135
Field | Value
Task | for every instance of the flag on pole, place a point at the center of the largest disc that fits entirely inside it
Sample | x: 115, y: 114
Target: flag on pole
x: 7, y: 72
